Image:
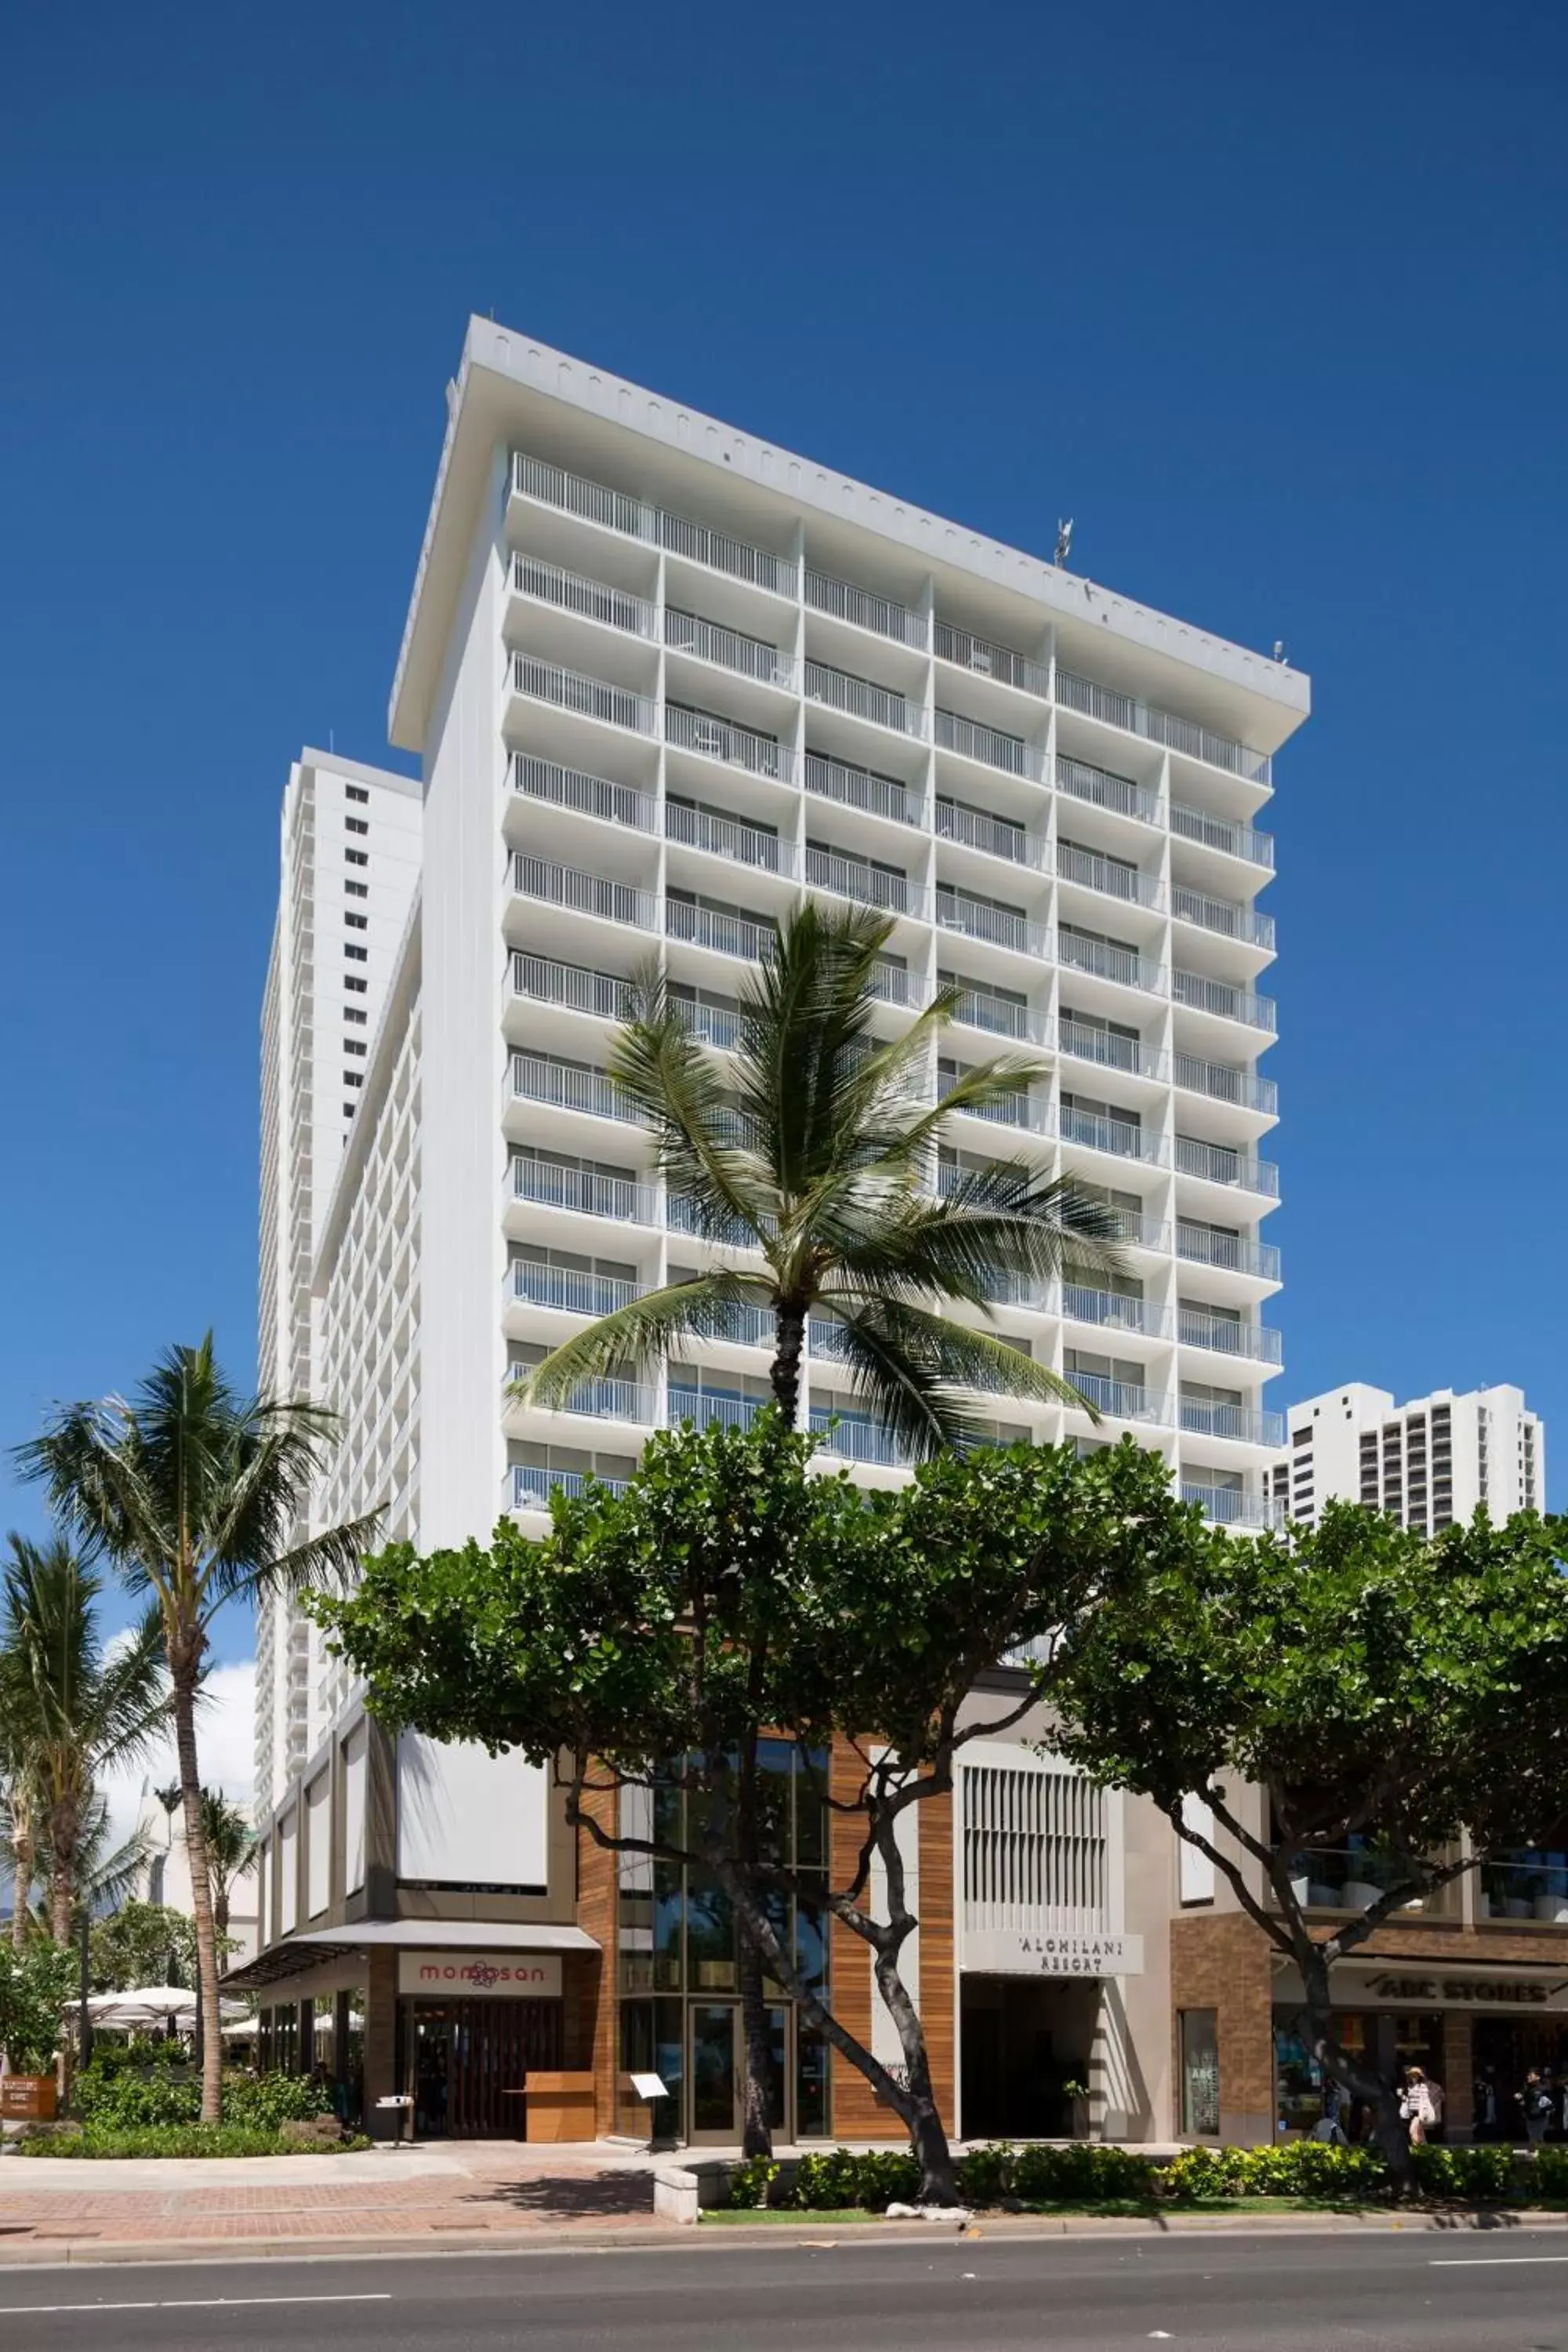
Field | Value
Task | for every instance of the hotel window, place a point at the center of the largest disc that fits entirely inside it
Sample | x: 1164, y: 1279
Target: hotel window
x: 356, y: 792
x: 357, y: 823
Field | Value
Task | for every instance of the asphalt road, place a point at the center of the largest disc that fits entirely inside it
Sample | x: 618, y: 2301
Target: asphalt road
x: 1466, y: 2292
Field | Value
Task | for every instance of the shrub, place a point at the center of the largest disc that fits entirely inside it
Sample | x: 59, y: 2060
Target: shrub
x: 1204, y: 2174
x: 1550, y: 2168
x: 1081, y: 2172
x: 874, y: 2179
x: 1311, y: 2167
x: 752, y: 2182
x: 265, y: 2101
x: 985, y: 2174
x: 139, y: 2087
x: 1485, y: 2175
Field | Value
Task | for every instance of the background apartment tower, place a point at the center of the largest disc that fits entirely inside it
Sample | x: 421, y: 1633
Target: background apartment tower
x: 349, y: 877
x: 1430, y: 1463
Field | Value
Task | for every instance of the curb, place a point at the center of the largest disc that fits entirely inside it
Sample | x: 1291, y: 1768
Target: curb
x: 64, y: 2252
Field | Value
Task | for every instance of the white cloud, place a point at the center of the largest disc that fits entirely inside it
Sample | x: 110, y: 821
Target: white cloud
x: 226, y: 1742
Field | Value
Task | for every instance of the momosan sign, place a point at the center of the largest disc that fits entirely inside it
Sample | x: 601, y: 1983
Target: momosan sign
x: 464, y: 1976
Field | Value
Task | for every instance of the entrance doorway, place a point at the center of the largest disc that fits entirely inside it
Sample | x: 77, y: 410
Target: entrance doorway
x: 718, y: 2071
x: 461, y: 2056
x: 1022, y: 2039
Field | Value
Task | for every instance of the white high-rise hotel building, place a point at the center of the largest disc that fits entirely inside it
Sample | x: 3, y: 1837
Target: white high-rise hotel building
x: 662, y: 677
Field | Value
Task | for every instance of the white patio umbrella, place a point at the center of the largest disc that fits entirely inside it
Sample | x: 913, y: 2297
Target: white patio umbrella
x: 151, y: 2005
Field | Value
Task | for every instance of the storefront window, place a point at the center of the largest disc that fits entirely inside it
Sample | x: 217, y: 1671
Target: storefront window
x: 323, y: 2031
x: 1299, y: 2090
x: 1199, y: 2073
x: 286, y: 2038
x: 650, y: 2044
x: 264, y: 2042
x: 352, y: 2068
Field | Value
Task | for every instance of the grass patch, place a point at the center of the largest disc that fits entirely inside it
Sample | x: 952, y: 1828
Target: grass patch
x: 743, y: 2216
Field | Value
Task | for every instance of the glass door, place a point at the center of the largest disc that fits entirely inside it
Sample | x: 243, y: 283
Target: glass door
x: 715, y: 2070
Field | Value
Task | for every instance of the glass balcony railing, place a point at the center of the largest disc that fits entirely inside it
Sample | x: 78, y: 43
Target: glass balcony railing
x: 1353, y: 1879
x: 1530, y: 1887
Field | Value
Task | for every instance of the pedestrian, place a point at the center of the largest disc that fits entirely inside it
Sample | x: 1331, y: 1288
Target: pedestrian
x: 1438, y: 2099
x: 1417, y: 2108
x: 1539, y: 2107
x: 1486, y: 2102
x: 1328, y: 2128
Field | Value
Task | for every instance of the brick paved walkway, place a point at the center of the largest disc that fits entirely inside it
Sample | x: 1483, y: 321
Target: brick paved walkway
x: 496, y: 2189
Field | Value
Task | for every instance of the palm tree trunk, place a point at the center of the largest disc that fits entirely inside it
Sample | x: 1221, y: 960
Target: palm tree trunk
x: 60, y: 1902
x: 183, y: 1669
x: 64, y: 1826
x: 788, y: 1342
x: 23, y: 1851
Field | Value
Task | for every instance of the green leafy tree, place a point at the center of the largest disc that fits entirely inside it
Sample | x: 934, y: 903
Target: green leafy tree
x: 36, y: 1982
x: 143, y: 1944
x: 198, y: 1494
x: 230, y: 1844
x: 1353, y: 1681
x: 814, y: 1145
x: 77, y: 1709
x: 732, y: 1597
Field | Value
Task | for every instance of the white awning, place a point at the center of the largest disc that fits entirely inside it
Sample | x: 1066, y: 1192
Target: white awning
x: 294, y: 1954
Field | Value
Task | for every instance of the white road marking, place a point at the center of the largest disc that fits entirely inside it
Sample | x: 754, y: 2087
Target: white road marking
x: 190, y: 2303
x: 1487, y: 2261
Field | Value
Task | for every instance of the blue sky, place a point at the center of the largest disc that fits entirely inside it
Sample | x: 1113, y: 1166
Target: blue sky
x: 1270, y: 301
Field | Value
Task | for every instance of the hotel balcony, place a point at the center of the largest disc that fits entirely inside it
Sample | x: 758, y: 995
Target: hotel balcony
x: 976, y: 918
x: 1246, y: 1424
x: 567, y: 1290
x: 999, y: 1016
x: 989, y: 747
x: 718, y: 836
x: 862, y: 698
x: 1224, y: 915
x: 585, y: 600
x: 573, y: 496
x: 1109, y: 960
x: 1124, y: 1138
x: 1108, y: 875
x: 582, y: 1192
x: 707, y: 1407
x: 1220, y: 832
x: 576, y: 893
x: 1112, y: 1310
x: 1222, y: 1082
x: 1031, y: 1114
x: 1186, y: 736
x: 1223, y: 1000
x: 1108, y: 1050
x: 723, y: 934
x: 572, y: 986
x: 1226, y: 1337
x: 862, y: 788
x: 848, y: 1439
x: 984, y: 659
x: 1100, y: 789
x: 994, y: 836
x: 1233, y: 1252
x: 859, y: 608
x: 1124, y: 1399
x: 555, y: 786
x: 730, y: 649
x: 859, y: 879
x: 706, y: 736
x: 581, y: 697
x: 1232, y: 1506
x: 538, y: 1080
x: 532, y: 1485
x: 1217, y: 1163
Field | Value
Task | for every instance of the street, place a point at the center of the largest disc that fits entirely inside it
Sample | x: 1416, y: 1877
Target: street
x: 1464, y: 2293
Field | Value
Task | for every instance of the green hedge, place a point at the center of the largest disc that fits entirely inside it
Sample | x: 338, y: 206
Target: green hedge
x: 100, y: 2140
x: 143, y: 2089
x: 1087, y: 2172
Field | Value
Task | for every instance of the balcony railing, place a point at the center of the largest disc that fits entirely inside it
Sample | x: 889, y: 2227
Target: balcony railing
x: 1126, y: 1138
x: 1134, y: 1231
x: 532, y: 1485
x: 1184, y: 735
x: 717, y: 551
x: 587, y: 697
x: 988, y: 745
x: 534, y: 1079
x: 833, y: 780
x: 585, y: 893
x: 559, y: 787
x: 978, y: 920
x: 1109, y: 960
x: 892, y: 984
x: 566, y: 1290
x: 1200, y: 1417
x: 1201, y: 1246
x: 1015, y: 1109
x: 863, y: 610
x: 857, y: 877
x: 705, y: 927
x: 687, y: 633
x: 1253, y: 1340
x: 1226, y: 1084
x: 1110, y: 1050
x: 706, y: 1407
x: 589, y: 501
x: 992, y: 834
x: 1217, y: 1163
x: 1103, y: 790
x: 607, y: 1400
x: 862, y: 697
x: 719, y: 739
x: 1353, y: 1879
x: 714, y: 1024
x: 1218, y: 996
x: 722, y: 836
x: 1110, y: 1310
x: 619, y: 1198
x: 739, y: 1325
x: 1225, y: 915
x: 684, y: 1215
x: 848, y: 1440
x: 1122, y: 1400
x: 590, y: 599
x: 1107, y: 874
x: 978, y: 1009
x: 1221, y: 833
x: 570, y: 985
x: 991, y: 661
x: 1524, y: 1890
x: 1232, y: 1506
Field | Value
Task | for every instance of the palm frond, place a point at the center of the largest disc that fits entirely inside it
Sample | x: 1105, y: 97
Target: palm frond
x: 641, y: 1333
x: 960, y: 1357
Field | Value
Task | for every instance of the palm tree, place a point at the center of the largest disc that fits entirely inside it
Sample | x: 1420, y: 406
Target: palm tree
x: 81, y: 1709
x: 815, y: 1148
x: 230, y: 1842
x: 19, y: 1812
x: 198, y: 1495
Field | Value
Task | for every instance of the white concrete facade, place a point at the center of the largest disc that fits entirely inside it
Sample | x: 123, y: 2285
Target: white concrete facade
x: 1432, y: 1462
x: 663, y: 680
x: 165, y: 1876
